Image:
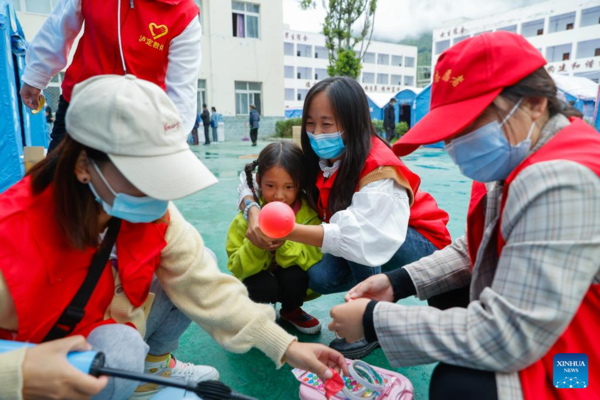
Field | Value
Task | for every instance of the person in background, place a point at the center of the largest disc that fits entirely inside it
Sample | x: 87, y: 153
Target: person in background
x: 389, y: 120
x: 254, y: 119
x: 49, y: 119
x: 214, y: 124
x: 158, y: 41
x: 194, y: 133
x: 531, y: 253
x: 206, y: 123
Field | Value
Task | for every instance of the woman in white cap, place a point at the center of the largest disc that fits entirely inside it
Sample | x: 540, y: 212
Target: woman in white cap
x: 90, y: 245
x: 531, y: 253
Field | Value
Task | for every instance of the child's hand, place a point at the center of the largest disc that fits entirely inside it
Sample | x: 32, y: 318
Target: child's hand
x: 254, y: 234
x: 316, y: 358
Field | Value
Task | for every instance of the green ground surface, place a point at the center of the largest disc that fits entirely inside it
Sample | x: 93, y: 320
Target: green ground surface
x: 211, y: 212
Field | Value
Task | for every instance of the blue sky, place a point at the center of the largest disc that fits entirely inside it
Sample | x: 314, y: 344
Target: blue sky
x: 397, y: 19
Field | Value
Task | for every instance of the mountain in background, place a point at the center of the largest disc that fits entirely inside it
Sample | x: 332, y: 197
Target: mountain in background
x: 424, y: 43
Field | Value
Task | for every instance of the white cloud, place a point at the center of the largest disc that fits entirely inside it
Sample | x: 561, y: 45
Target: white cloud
x: 397, y: 19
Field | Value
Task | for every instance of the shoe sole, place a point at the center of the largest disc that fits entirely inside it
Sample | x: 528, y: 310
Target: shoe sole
x: 148, y: 395
x: 361, y: 353
x: 309, y: 331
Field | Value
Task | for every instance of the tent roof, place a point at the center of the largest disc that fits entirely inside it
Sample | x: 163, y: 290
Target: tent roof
x: 382, y: 99
x: 577, y: 86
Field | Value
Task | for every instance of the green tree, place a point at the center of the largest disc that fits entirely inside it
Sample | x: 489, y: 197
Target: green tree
x: 346, y: 42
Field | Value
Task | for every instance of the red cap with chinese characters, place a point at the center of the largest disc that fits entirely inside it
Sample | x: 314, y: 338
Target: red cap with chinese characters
x: 468, y: 77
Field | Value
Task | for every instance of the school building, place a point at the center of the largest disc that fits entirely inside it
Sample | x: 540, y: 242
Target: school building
x: 242, y: 59
x: 566, y: 33
x: 387, y: 67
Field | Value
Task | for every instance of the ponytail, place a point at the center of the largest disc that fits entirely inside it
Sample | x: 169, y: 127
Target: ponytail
x: 249, y: 170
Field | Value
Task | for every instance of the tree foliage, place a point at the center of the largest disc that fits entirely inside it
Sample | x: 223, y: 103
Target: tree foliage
x: 348, y: 30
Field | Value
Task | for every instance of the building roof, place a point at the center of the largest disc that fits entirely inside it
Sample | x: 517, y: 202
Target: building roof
x: 577, y: 86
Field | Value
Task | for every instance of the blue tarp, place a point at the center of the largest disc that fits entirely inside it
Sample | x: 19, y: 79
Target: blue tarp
x: 375, y: 110
x: 293, y: 113
x: 421, y: 105
x: 11, y: 139
x: 18, y: 126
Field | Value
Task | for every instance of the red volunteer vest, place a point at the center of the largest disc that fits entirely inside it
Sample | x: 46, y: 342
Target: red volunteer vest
x: 146, y: 33
x: 425, y: 215
x: 581, y: 144
x: 43, y: 272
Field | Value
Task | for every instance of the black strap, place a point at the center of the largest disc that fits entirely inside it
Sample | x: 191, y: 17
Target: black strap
x: 75, y: 311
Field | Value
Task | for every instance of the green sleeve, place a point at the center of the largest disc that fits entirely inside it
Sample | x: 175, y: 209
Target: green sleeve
x: 245, y: 259
x: 294, y: 253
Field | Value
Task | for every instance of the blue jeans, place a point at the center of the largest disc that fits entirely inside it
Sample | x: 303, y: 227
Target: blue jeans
x: 335, y: 274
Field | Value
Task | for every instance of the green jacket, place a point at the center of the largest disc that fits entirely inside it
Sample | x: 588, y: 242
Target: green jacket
x: 245, y: 259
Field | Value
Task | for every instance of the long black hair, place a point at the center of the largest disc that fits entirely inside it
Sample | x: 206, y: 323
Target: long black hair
x: 285, y: 155
x: 351, y: 110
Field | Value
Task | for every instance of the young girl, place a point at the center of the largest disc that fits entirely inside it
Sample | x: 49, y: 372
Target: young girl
x: 376, y: 216
x: 277, y: 275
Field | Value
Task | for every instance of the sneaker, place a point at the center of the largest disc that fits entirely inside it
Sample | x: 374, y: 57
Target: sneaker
x: 354, y: 351
x: 304, y: 322
x: 174, y: 369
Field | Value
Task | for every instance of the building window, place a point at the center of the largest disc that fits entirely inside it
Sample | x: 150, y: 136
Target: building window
x: 304, y: 73
x: 321, y: 73
x: 383, y: 79
x: 459, y: 39
x: 383, y: 59
x: 201, y: 94
x: 321, y: 52
x: 245, y: 19
x: 559, y: 53
x: 302, y: 94
x: 597, y: 53
x: 369, y: 58
x: 533, y: 28
x: 289, y: 94
x: 304, y: 50
x: 409, y: 80
x: 397, y: 61
x: 590, y: 16
x: 442, y: 46
x: 512, y: 28
x: 569, y: 26
x: 368, y: 77
x: 409, y: 62
x: 565, y: 56
x: 247, y: 94
x: 588, y: 48
x: 288, y: 72
x: 288, y: 49
x: 396, y: 80
x: 560, y: 23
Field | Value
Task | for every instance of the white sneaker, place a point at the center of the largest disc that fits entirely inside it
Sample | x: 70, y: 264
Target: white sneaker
x: 180, y: 371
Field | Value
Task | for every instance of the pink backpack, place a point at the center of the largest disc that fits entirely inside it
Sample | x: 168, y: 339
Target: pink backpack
x: 396, y: 386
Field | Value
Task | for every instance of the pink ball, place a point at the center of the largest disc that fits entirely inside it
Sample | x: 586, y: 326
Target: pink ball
x: 276, y: 220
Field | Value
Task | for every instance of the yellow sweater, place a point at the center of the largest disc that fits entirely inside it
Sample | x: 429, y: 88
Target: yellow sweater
x: 216, y: 301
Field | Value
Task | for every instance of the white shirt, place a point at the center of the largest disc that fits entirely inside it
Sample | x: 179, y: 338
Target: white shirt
x: 48, y: 54
x: 371, y: 230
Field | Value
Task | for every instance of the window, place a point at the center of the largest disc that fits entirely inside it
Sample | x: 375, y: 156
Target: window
x: 383, y: 59
x: 302, y: 94
x: 588, y: 48
x: 321, y: 73
x: 409, y: 62
x: 201, y: 94
x: 304, y: 50
x: 288, y: 49
x: 409, y: 80
x: 459, y: 39
x: 596, y: 52
x: 511, y: 28
x: 560, y: 23
x: 289, y: 94
x: 397, y: 61
x: 321, y: 52
x: 369, y: 58
x: 396, y: 80
x: 383, y: 79
x: 480, y: 33
x: 245, y: 19
x: 533, y: 28
x: 247, y: 94
x: 304, y: 73
x: 38, y: 6
x: 590, y: 16
x: 368, y: 77
x: 288, y: 72
x: 559, y: 53
x: 442, y: 46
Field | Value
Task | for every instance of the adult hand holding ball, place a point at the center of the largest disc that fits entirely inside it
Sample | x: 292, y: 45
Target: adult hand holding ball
x: 276, y: 220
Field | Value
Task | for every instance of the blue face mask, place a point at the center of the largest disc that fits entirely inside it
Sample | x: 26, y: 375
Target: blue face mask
x: 130, y: 208
x: 486, y: 155
x: 327, y: 145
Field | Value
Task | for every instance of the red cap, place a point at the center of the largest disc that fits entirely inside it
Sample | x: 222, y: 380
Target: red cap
x: 468, y: 77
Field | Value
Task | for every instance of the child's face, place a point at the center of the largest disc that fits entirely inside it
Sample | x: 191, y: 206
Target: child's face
x: 277, y: 185
x: 321, y: 118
